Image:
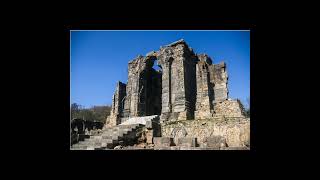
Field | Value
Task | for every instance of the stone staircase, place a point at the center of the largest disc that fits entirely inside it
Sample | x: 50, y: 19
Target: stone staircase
x: 109, y: 138
x: 122, y: 134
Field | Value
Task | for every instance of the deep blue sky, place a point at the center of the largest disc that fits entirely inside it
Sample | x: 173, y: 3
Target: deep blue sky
x: 100, y: 58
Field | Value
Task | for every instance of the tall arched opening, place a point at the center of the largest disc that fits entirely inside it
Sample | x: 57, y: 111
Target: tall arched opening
x: 150, y: 86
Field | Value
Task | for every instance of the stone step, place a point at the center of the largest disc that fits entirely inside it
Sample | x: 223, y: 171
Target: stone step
x: 99, y: 148
x: 115, y: 128
x: 105, y: 139
x: 117, y: 133
x: 79, y: 146
x: 87, y: 148
x: 109, y: 141
x: 90, y: 148
x: 107, y: 132
x: 97, y: 145
x: 96, y: 137
x: 91, y: 139
x: 139, y: 120
x: 131, y: 126
x: 125, y: 131
x: 87, y: 143
x: 110, y: 137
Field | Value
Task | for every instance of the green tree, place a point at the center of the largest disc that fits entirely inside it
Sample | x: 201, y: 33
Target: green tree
x: 75, y: 110
x: 87, y: 114
x: 95, y: 113
x: 101, y: 112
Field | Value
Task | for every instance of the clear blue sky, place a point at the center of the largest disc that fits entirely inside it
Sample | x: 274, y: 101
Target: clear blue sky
x: 100, y: 58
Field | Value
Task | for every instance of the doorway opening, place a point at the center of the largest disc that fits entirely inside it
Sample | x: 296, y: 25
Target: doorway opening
x: 151, y: 89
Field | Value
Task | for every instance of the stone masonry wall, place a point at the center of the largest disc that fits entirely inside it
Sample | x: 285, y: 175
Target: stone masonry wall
x: 139, y: 86
x: 204, y: 88
x: 116, y: 108
x: 229, y: 108
x: 178, y: 62
x: 236, y: 131
x: 219, y: 77
x: 190, y: 81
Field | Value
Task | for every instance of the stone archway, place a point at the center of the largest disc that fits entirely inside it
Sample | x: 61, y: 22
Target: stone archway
x: 150, y: 88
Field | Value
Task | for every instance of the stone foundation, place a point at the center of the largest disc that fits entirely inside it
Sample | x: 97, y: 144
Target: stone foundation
x: 235, y: 131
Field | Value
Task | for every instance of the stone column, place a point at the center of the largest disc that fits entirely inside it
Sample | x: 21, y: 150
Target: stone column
x: 116, y: 109
x: 203, y: 106
x: 119, y: 95
x: 220, y: 79
x: 166, y: 88
x: 178, y: 88
x: 134, y: 96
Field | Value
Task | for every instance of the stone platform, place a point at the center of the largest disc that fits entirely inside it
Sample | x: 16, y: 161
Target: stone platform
x: 141, y: 120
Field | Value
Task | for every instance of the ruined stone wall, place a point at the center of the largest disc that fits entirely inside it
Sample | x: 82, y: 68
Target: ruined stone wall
x: 133, y: 90
x: 205, y: 94
x: 229, y: 108
x: 190, y: 81
x: 119, y: 96
x: 117, y: 105
x: 219, y: 77
x: 143, y: 88
x: 212, y: 87
x: 135, y: 67
x: 178, y: 81
x: 236, y: 131
x: 165, y: 61
x: 189, y: 86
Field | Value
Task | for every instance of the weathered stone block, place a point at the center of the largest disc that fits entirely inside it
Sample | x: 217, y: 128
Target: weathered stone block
x: 162, y: 148
x: 203, y: 115
x: 182, y: 115
x: 187, y: 142
x: 149, y: 124
x: 235, y: 148
x: 229, y: 108
x: 215, y: 141
x: 149, y: 136
x: 162, y: 141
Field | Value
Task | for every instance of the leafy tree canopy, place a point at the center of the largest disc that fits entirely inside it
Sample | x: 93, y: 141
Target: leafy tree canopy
x: 95, y: 113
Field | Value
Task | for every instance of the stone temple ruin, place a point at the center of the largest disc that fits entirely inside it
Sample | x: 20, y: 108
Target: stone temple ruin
x: 189, y: 86
x: 182, y: 103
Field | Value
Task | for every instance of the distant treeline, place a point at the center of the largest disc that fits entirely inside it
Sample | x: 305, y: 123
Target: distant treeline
x: 95, y: 113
